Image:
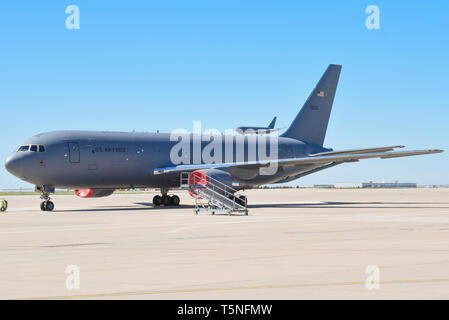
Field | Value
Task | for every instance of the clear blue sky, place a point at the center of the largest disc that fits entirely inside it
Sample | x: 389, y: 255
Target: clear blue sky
x: 159, y: 65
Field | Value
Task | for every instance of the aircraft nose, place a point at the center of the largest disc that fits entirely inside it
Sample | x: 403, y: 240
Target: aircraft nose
x: 14, y: 164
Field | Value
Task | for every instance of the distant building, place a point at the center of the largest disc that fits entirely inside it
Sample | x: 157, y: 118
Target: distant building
x: 348, y: 185
x: 388, y: 184
x: 372, y: 184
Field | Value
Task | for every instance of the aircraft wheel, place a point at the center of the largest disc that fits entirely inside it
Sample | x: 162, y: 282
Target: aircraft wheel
x: 175, y: 200
x: 49, y: 206
x: 166, y: 200
x: 4, y: 206
x: 157, y: 200
x: 242, y: 200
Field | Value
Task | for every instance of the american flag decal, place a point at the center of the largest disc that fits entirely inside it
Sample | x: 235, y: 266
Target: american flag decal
x: 320, y: 93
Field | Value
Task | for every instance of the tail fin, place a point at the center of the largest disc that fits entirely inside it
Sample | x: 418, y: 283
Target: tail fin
x: 310, y: 124
x: 272, y: 123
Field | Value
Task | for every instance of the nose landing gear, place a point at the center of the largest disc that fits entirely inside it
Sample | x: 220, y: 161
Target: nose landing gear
x: 46, y: 205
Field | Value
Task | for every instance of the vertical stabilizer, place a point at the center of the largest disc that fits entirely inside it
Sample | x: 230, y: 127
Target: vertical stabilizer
x: 310, y: 124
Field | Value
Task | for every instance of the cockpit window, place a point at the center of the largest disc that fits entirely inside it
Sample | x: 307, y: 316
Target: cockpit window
x: 33, y: 148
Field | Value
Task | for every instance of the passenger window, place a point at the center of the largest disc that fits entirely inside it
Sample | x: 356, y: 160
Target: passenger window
x: 23, y: 148
x: 41, y: 149
x: 33, y: 148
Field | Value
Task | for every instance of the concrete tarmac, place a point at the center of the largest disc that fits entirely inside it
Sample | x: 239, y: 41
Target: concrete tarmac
x: 294, y: 244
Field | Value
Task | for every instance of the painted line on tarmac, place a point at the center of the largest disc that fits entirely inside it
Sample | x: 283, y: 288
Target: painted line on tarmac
x: 189, y: 203
x: 281, y: 286
x: 251, y: 219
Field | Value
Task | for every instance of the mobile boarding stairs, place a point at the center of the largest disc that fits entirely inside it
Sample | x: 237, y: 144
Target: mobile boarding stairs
x: 212, y: 195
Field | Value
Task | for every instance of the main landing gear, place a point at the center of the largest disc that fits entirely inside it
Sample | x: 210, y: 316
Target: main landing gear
x: 46, y: 205
x: 241, y: 200
x: 165, y: 199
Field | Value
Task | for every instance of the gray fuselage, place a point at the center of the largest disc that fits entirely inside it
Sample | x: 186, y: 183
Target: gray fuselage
x: 111, y: 160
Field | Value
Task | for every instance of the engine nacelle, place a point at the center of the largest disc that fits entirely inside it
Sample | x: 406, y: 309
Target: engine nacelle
x: 94, y: 193
x: 221, y: 179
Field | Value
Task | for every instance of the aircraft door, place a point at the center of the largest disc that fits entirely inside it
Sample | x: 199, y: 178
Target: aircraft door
x: 74, y: 152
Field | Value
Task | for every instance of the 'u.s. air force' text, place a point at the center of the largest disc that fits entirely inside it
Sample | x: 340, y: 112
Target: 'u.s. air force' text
x: 226, y: 309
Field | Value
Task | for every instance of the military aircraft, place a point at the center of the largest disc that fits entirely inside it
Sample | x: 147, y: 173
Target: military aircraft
x: 258, y: 130
x: 95, y: 163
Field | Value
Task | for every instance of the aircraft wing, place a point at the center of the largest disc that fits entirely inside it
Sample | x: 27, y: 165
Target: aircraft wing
x: 356, y: 151
x: 314, y: 159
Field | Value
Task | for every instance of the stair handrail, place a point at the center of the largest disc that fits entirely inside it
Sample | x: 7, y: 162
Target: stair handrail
x: 214, y: 185
x: 197, y: 179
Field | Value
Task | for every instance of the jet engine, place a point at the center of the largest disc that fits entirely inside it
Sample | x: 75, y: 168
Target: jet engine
x: 94, y: 193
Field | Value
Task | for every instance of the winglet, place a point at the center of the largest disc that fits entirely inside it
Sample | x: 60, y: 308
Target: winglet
x: 272, y: 123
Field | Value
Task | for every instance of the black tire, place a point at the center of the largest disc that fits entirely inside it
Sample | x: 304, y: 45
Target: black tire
x: 49, y: 206
x: 242, y: 201
x: 43, y: 206
x: 175, y: 200
x: 166, y: 200
x: 157, y: 200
